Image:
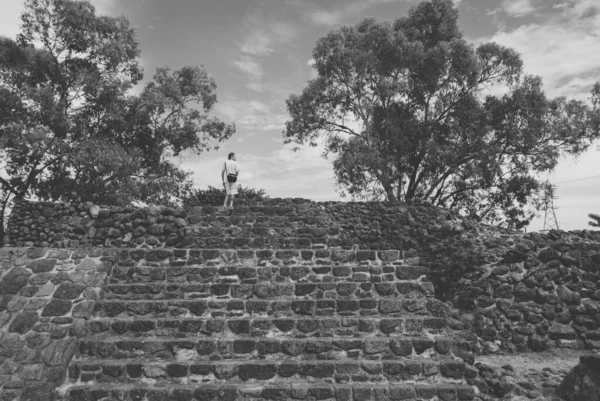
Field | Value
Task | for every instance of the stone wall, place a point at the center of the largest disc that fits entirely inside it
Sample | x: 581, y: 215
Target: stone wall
x: 543, y: 292
x: 518, y: 291
x: 275, y: 223
x: 46, y: 297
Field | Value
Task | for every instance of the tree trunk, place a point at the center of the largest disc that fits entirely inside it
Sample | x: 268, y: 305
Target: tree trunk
x: 3, y: 217
x: 389, y: 191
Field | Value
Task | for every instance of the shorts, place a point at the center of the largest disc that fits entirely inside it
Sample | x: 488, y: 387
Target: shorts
x: 231, y: 188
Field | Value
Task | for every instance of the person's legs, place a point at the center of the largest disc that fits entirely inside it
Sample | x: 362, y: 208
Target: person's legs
x: 227, y: 193
x: 231, y: 192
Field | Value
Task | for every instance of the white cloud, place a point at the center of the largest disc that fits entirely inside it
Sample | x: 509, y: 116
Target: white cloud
x: 255, y: 86
x: 233, y: 108
x: 564, y: 50
x: 518, y: 8
x: 253, y: 70
x: 250, y: 67
x: 328, y: 18
x: 261, y: 36
x: 252, y: 115
x: 321, y: 16
x: 257, y: 43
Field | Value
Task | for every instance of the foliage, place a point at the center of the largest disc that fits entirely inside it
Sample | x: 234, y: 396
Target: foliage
x: 595, y: 220
x: 402, y: 108
x: 69, y: 126
x: 216, y: 196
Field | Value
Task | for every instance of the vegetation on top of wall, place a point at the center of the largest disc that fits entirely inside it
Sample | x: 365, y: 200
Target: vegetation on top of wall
x: 216, y: 196
x: 595, y: 220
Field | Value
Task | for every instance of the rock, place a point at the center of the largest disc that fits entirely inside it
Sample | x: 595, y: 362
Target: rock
x: 94, y: 210
x: 583, y: 381
x: 561, y: 332
x: 69, y: 291
x: 87, y: 264
x: 567, y: 296
x: 39, y: 392
x: 23, y: 322
x: 48, y: 211
x: 514, y: 256
x: 59, y: 353
x: 154, y: 210
x: 14, y: 280
x: 57, y: 307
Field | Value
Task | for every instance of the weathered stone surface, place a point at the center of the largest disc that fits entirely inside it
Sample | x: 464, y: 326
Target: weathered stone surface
x: 583, y: 381
x: 59, y: 352
x: 57, y: 307
x: 23, y: 322
x: 14, y: 280
x: 561, y: 332
x: 39, y: 392
x: 42, y: 265
x: 523, y: 291
x: 35, y: 372
x: 87, y: 264
x: 69, y: 291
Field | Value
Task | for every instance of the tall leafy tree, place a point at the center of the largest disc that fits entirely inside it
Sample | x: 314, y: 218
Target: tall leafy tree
x: 72, y: 129
x: 595, y: 222
x: 402, y: 108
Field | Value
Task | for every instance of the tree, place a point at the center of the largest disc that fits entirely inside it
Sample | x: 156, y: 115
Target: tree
x: 595, y: 220
x: 71, y: 129
x: 402, y: 108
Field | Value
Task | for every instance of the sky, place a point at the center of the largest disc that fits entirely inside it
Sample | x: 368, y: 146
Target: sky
x: 259, y: 53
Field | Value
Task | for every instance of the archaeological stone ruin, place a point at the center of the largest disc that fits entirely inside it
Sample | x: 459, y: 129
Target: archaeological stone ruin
x: 286, y: 299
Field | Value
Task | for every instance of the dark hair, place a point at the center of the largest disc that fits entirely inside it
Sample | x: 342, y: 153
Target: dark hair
x: 231, y: 155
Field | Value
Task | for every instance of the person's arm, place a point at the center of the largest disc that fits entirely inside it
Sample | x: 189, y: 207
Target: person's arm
x: 223, y: 173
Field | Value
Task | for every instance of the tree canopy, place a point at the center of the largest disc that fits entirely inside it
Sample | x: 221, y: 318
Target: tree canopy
x: 595, y: 220
x: 403, y: 108
x: 70, y: 127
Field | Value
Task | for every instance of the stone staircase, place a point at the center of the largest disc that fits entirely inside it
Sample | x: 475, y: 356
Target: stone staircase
x: 263, y: 306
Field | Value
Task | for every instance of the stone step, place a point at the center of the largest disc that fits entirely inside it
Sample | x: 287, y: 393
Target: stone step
x: 274, y: 327
x: 371, y: 348
x: 287, y: 370
x: 306, y: 210
x: 317, y: 273
x: 262, y: 307
x: 272, y: 291
x: 261, y: 230
x: 260, y: 242
x: 258, y: 257
x: 275, y: 391
x: 259, y: 219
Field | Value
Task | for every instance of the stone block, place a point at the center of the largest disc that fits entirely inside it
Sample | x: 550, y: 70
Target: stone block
x: 14, y: 280
x: 57, y: 307
x: 23, y: 322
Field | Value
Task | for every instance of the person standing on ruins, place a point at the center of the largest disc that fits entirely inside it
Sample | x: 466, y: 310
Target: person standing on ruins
x: 229, y: 174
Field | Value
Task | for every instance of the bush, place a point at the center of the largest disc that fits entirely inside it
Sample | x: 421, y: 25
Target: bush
x: 215, y: 196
